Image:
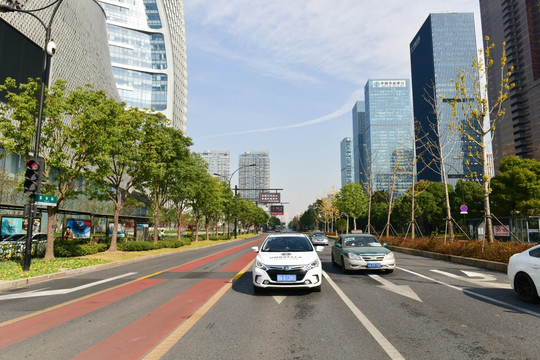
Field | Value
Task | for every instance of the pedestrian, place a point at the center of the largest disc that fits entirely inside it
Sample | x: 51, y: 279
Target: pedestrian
x: 68, y: 234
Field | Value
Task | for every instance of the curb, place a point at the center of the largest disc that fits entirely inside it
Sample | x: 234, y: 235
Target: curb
x: 491, y: 265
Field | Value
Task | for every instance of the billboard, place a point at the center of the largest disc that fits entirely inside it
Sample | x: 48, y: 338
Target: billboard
x: 269, y: 197
x: 80, y: 228
x: 276, y: 209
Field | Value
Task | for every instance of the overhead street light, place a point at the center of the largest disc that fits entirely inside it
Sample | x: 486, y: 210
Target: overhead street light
x: 49, y: 49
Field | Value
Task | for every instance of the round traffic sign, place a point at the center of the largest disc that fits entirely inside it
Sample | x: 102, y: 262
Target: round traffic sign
x: 463, y: 208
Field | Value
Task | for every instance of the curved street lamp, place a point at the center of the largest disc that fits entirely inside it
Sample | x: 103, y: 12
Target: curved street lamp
x: 49, y: 48
x: 235, y: 193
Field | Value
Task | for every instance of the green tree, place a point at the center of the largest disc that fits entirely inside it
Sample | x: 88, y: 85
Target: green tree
x: 353, y: 201
x: 68, y: 136
x: 162, y: 150
x: 182, y: 190
x: 122, y: 136
x: 516, y: 190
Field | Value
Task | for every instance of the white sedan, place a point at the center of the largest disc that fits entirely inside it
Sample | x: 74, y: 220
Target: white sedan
x: 287, y: 261
x: 524, y: 274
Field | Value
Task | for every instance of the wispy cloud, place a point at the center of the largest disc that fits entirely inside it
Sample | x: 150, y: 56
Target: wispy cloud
x: 345, y: 108
x: 302, y: 39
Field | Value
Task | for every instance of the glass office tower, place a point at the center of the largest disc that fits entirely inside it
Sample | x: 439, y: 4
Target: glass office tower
x: 516, y: 22
x: 389, y: 134
x: 148, y: 55
x: 347, y: 161
x: 361, y: 168
x: 444, y: 44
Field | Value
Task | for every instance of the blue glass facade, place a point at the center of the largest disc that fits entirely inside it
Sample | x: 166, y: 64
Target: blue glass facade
x: 361, y: 167
x: 389, y: 134
x: 444, y: 44
x: 148, y: 73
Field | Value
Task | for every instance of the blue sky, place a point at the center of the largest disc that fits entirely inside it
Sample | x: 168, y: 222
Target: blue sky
x: 283, y: 75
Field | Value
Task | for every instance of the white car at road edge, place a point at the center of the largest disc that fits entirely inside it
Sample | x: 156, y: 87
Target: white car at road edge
x: 524, y: 274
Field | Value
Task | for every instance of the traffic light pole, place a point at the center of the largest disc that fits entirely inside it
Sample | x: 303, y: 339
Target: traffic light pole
x: 29, y: 231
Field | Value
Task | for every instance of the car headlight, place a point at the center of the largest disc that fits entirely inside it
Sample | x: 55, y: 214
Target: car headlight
x: 390, y: 256
x: 312, y: 265
x: 260, y: 265
x: 354, y: 256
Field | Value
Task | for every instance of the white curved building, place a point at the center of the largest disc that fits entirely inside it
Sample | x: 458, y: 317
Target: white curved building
x: 148, y: 55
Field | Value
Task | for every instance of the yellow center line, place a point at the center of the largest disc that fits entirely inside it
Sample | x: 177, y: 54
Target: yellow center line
x: 167, y: 343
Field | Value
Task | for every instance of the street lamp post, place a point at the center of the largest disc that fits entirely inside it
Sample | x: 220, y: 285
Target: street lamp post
x: 235, y: 193
x: 49, y: 49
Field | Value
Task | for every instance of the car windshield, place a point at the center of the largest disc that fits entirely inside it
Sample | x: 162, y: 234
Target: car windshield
x: 318, y: 235
x: 352, y: 241
x: 281, y: 244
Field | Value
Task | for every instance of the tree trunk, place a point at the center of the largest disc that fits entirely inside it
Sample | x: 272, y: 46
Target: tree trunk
x: 179, y: 227
x: 413, y: 220
x: 51, y: 216
x: 487, y: 213
x: 114, y: 236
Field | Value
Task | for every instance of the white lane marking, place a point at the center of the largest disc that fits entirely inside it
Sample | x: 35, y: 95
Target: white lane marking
x: 480, y: 276
x: 36, y: 293
x: 404, y: 290
x: 279, y: 299
x: 472, y: 293
x: 385, y: 344
x: 484, y: 280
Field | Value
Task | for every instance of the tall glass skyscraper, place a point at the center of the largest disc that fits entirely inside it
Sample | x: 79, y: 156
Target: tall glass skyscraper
x: 148, y: 55
x: 516, y: 22
x: 361, y: 168
x: 444, y: 44
x: 389, y: 134
x: 347, y: 161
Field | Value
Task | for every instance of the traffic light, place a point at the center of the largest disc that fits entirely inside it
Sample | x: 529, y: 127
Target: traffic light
x: 32, y: 177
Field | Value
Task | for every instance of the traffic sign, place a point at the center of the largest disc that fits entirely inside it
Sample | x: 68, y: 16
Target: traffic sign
x: 463, y: 209
x: 46, y: 200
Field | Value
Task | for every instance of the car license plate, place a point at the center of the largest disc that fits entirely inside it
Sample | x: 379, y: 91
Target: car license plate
x: 373, y: 265
x: 286, y: 277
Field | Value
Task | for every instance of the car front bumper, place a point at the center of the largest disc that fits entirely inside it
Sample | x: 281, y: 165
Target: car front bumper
x: 369, y: 265
x: 310, y: 279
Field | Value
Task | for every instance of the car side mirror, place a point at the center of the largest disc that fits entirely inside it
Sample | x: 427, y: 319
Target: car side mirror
x: 319, y: 248
x: 337, y: 245
x: 385, y: 244
x: 255, y: 249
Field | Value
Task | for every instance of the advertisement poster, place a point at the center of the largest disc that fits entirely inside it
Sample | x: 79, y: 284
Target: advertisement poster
x: 35, y: 229
x: 11, y: 226
x: 81, y: 228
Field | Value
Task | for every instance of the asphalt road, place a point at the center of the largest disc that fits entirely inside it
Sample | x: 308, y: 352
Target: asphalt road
x: 199, y: 304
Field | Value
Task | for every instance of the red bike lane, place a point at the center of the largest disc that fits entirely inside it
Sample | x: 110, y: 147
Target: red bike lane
x: 139, y: 337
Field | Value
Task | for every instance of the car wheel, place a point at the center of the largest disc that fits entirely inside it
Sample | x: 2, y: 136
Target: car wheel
x: 334, y: 263
x: 345, y: 271
x: 316, y: 289
x: 524, y: 287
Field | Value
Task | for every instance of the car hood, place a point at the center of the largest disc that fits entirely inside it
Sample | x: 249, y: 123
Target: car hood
x: 287, y: 258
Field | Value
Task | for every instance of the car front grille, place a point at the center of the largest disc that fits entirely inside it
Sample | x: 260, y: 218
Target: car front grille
x: 373, y: 257
x: 274, y: 271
